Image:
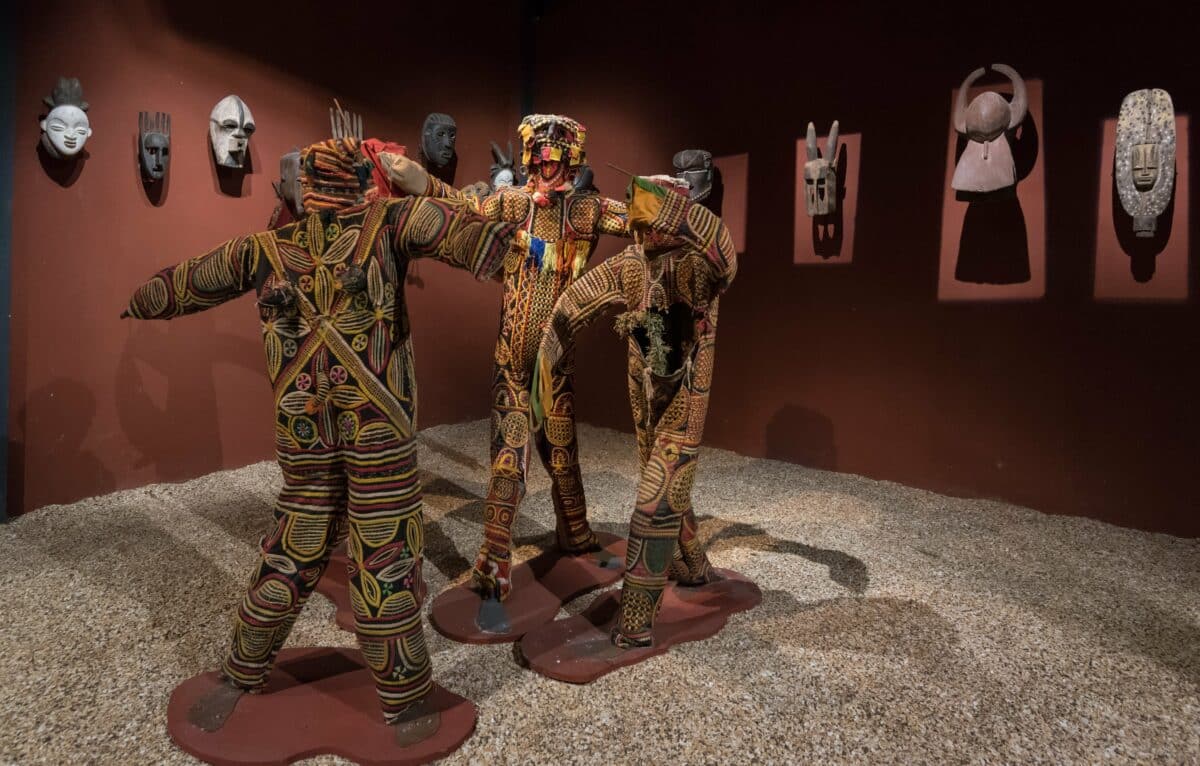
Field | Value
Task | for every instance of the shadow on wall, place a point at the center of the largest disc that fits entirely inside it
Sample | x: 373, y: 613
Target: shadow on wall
x: 64, y: 172
x: 828, y: 230
x: 994, y: 245
x: 275, y: 36
x: 62, y: 453
x: 799, y: 435
x: 1143, y: 252
x: 187, y: 393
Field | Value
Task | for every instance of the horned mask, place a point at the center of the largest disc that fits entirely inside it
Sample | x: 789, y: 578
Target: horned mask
x: 987, y: 163
x: 820, y: 173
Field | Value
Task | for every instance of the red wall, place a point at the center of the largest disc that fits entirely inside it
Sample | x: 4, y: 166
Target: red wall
x: 98, y: 403
x: 1063, y: 404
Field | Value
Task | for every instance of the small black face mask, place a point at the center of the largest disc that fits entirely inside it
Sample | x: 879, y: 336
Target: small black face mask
x: 154, y: 141
x: 438, y: 136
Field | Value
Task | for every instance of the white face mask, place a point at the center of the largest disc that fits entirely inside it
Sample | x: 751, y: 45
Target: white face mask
x: 503, y: 178
x: 65, y: 130
x: 229, y: 128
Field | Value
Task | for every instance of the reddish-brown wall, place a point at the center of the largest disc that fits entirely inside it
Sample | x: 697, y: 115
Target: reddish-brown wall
x: 1063, y: 404
x: 99, y: 404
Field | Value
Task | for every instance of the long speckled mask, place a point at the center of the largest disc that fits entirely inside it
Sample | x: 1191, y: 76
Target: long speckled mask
x: 1144, y: 169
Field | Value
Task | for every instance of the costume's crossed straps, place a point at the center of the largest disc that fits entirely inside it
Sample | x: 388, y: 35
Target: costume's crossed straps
x: 322, y: 324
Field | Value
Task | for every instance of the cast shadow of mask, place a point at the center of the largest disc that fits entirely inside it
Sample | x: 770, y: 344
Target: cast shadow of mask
x: 230, y: 180
x: 1142, y: 251
x: 65, y: 171
x: 444, y: 173
x: 827, y: 235
x: 411, y: 275
x: 716, y: 198
x: 993, y: 247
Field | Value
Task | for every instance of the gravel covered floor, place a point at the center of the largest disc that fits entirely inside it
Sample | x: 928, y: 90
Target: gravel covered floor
x: 897, y: 626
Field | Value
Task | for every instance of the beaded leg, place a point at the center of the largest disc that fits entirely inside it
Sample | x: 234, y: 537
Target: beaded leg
x: 293, y: 557
x: 492, y: 573
x: 664, y: 495
x: 386, y: 538
x: 559, y: 452
x: 690, y: 565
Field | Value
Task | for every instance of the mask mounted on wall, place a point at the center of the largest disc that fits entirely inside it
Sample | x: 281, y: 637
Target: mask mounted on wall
x: 154, y: 144
x: 229, y: 129
x: 987, y: 163
x: 66, y: 127
x: 439, y: 133
x: 1144, y: 165
x: 289, y: 189
x: 505, y: 171
x: 820, y: 172
x: 694, y: 167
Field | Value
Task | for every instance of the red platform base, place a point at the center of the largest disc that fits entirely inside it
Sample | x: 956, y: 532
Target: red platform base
x: 578, y: 649
x: 318, y: 701
x: 540, y: 587
x: 334, y: 585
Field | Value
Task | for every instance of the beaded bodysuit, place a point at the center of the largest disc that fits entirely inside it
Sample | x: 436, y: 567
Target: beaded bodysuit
x: 670, y: 297
x: 570, y: 222
x: 335, y: 333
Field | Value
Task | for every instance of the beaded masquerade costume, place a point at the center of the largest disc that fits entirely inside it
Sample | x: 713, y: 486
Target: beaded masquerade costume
x: 339, y: 358
x: 570, y: 222
x: 669, y: 285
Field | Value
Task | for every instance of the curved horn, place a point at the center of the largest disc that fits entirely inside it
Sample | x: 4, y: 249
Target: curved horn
x: 810, y: 143
x: 1020, y: 101
x: 960, y: 104
x: 496, y: 153
x: 831, y: 145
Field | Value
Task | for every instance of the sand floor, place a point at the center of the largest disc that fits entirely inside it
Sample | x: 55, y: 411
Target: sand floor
x: 897, y: 625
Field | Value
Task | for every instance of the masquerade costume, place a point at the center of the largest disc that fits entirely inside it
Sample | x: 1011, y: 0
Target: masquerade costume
x: 569, y: 222
x: 339, y: 358
x: 669, y: 284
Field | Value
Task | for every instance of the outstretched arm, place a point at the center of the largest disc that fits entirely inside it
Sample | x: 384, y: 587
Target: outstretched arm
x: 407, y: 175
x: 489, y: 205
x: 452, y: 232
x: 199, y: 283
x: 582, y: 302
x: 675, y: 216
x: 613, y: 218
